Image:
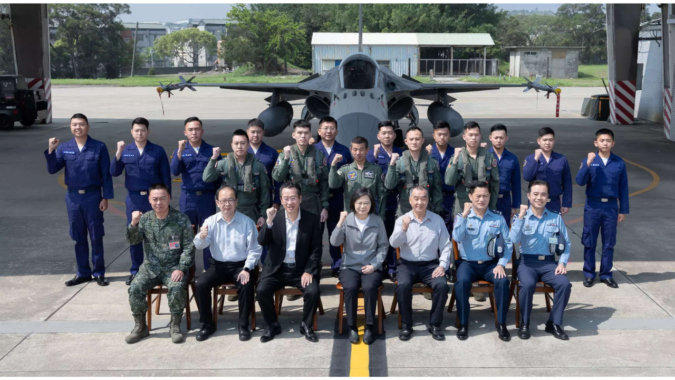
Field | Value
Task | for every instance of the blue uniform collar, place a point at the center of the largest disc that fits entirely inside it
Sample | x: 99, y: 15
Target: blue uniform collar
x: 87, y: 144
x: 598, y: 159
x: 435, y: 151
x: 336, y: 146
x: 263, y: 147
x: 545, y: 214
x: 148, y: 146
x: 472, y: 214
x: 504, y: 153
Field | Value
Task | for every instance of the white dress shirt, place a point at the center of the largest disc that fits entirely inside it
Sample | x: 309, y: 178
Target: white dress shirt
x: 291, y: 237
x: 233, y: 241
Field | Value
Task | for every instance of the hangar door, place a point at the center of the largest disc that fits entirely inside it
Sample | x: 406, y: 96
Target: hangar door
x: 558, y: 63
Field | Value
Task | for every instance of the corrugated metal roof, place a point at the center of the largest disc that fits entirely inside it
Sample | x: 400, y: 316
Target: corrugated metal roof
x: 143, y: 25
x: 543, y: 47
x: 215, y: 21
x: 415, y: 39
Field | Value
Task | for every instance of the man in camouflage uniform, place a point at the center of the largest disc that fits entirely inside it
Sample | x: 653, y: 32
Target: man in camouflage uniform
x: 359, y: 173
x: 307, y: 166
x: 415, y: 167
x: 167, y: 238
x: 243, y: 172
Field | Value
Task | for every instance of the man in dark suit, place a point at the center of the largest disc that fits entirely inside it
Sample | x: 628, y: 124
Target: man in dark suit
x: 293, y: 259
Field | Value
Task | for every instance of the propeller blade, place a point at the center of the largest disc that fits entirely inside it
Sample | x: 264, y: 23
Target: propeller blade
x: 192, y: 88
x: 181, y: 78
x: 160, y: 83
x: 193, y: 77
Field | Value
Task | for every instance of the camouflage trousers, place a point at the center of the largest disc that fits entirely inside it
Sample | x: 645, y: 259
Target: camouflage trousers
x: 138, y: 291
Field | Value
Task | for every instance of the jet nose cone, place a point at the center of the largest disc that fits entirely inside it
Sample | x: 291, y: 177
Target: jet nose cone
x: 357, y: 124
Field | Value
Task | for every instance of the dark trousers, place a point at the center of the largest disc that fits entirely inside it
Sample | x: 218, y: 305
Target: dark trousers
x: 504, y: 206
x: 330, y: 223
x: 532, y: 271
x: 470, y: 272
x: 136, y: 202
x: 599, y: 215
x: 352, y: 281
x: 389, y: 223
x: 286, y: 277
x: 220, y: 272
x: 86, y: 218
x: 448, y: 218
x: 408, y: 273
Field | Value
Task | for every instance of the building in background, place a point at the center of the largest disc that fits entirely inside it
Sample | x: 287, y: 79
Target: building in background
x: 148, y: 32
x: 544, y: 61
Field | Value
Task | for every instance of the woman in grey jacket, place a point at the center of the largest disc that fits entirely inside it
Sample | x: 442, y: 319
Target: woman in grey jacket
x: 365, y: 246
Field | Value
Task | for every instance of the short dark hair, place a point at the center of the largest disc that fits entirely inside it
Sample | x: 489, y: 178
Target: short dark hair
x: 604, y: 131
x: 226, y: 187
x: 140, y: 121
x: 360, y: 140
x: 79, y: 116
x: 191, y: 119
x: 255, y: 122
x: 471, y: 125
x: 440, y: 124
x: 240, y: 132
x: 477, y: 184
x: 385, y: 123
x: 538, y: 182
x: 499, y: 127
x: 302, y: 124
x: 290, y: 185
x: 160, y: 186
x: 328, y: 119
x: 361, y: 191
x: 419, y: 187
x: 546, y: 131
x: 413, y: 129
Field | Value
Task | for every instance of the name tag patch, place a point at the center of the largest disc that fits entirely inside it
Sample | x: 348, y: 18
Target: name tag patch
x: 133, y: 155
x: 368, y: 175
x: 595, y: 164
x: 187, y: 155
x: 68, y: 152
x: 174, y: 245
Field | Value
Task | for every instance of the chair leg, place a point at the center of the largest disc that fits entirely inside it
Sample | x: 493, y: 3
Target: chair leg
x: 280, y: 299
x: 194, y: 291
x: 215, y: 307
x: 451, y: 305
x: 159, y: 301
x: 392, y: 310
x: 380, y: 311
x: 548, y: 302
x: 321, y: 307
x: 221, y: 304
x: 340, y: 310
x: 149, y: 311
x: 188, y: 313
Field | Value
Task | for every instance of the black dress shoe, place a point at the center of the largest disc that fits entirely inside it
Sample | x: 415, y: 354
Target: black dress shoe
x: 77, y: 280
x: 610, y: 282
x: 244, y: 334
x: 588, y: 281
x: 463, y: 332
x: 368, y: 336
x: 504, y: 333
x: 206, y: 331
x: 130, y: 279
x: 392, y: 277
x: 270, y: 333
x: 556, y: 330
x: 336, y: 274
x: 309, y: 334
x: 524, y: 331
x: 101, y: 280
x: 353, y: 336
x: 436, y: 332
x: 405, y: 334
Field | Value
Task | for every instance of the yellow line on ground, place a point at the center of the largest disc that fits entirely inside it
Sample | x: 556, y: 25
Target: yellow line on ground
x: 360, y: 360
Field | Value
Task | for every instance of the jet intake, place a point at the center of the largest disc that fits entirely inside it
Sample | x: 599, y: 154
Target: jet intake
x: 400, y: 108
x: 276, y: 118
x: 437, y: 111
x: 317, y: 106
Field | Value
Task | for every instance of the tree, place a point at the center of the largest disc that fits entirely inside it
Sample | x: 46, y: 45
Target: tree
x: 186, y: 45
x: 583, y: 25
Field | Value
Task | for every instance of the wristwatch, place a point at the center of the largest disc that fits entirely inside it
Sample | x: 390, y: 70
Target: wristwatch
x: 247, y: 270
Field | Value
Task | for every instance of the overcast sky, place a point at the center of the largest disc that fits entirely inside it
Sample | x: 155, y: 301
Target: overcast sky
x: 175, y: 12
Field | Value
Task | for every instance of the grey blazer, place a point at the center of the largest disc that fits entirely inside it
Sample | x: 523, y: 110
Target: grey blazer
x: 361, y: 249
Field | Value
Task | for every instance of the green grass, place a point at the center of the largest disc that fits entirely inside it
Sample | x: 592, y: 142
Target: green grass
x: 589, y: 76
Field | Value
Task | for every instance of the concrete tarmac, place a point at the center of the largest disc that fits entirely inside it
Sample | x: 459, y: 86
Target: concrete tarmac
x: 49, y: 329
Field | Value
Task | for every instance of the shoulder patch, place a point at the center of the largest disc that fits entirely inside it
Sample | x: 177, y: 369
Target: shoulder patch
x: 580, y: 166
x: 494, y: 162
x: 264, y: 169
x: 368, y: 174
x: 325, y: 161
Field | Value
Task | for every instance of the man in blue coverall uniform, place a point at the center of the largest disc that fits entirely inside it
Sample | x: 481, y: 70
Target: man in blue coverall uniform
x: 509, y: 173
x: 197, y: 198
x: 87, y: 175
x: 606, y: 180
x: 442, y: 152
x: 328, y: 130
x: 144, y: 164
x: 381, y: 155
x: 552, y: 167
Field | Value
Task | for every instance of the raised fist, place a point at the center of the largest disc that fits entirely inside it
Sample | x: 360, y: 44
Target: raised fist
x: 204, y: 231
x: 523, y: 210
x: 394, y: 157
x: 455, y: 156
x: 287, y: 152
x: 405, y: 222
x: 135, y: 217
x: 181, y: 145
x: 271, y: 213
x: 483, y: 144
x: 53, y: 143
x: 467, y: 209
x: 591, y: 157
x: 429, y: 148
x: 311, y: 141
x: 537, y: 154
x: 336, y: 159
x: 376, y: 150
x: 120, y: 146
x: 216, y: 153
x: 343, y: 217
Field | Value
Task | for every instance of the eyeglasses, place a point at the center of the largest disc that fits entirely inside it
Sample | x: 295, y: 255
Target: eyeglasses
x: 227, y: 201
x: 362, y: 204
x: 331, y: 129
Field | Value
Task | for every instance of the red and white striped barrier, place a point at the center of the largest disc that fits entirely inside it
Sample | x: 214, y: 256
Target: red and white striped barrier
x: 621, y: 101
x: 667, y: 110
x: 44, y: 87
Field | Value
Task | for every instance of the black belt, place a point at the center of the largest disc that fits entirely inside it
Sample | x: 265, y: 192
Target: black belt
x: 86, y: 190
x: 231, y: 264
x: 420, y: 263
x: 525, y: 257
x: 479, y: 262
x: 199, y: 192
x: 142, y: 192
x: 289, y: 265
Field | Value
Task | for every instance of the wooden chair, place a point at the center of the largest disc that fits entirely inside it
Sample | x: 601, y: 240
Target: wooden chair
x: 540, y: 288
x: 161, y: 289
x: 418, y: 288
x: 279, y: 298
x: 380, y: 306
x: 222, y: 290
x: 477, y: 287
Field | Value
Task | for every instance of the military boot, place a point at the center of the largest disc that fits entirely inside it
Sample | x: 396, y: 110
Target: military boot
x: 174, y: 329
x: 140, y: 330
